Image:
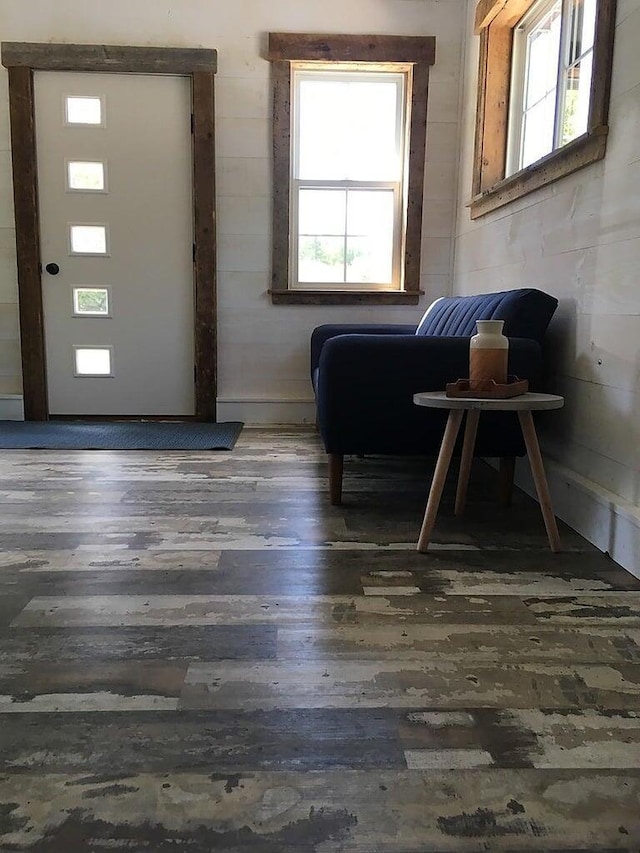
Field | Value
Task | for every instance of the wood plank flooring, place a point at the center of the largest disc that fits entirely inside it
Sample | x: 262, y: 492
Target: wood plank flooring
x: 198, y: 653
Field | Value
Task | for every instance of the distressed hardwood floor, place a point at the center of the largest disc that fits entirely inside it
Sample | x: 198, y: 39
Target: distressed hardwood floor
x: 199, y: 654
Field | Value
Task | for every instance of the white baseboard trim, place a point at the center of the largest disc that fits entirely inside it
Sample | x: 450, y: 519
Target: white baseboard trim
x: 251, y: 411
x: 602, y: 517
x: 254, y: 411
x: 11, y: 407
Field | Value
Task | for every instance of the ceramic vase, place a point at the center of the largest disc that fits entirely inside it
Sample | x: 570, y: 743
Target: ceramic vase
x: 488, y: 353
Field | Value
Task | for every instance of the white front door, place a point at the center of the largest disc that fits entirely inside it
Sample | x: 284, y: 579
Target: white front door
x: 115, y: 189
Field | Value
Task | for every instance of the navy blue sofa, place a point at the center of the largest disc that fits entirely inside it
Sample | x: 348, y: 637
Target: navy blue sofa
x: 365, y: 376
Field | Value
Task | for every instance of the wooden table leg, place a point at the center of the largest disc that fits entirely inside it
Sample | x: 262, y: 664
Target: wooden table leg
x: 439, y: 477
x: 470, y: 430
x: 539, y: 478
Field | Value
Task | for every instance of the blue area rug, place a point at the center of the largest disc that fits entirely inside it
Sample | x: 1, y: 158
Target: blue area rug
x: 118, y: 435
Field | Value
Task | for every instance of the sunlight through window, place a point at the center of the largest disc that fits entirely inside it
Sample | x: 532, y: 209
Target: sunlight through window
x: 348, y: 170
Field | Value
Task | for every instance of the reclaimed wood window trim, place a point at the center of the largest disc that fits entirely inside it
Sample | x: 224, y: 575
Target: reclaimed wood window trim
x: 495, y: 21
x: 368, y: 51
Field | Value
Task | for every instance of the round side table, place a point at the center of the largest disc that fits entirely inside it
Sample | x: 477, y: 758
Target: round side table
x: 524, y: 404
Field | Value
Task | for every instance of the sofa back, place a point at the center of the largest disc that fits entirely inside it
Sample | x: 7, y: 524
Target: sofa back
x: 526, y: 314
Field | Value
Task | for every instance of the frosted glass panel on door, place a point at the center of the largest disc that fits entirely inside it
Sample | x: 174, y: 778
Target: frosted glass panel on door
x: 92, y: 361
x: 86, y: 175
x: 84, y: 110
x: 91, y: 301
x: 88, y: 239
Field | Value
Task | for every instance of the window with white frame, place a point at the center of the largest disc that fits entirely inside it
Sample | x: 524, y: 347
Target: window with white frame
x: 348, y: 164
x: 551, y: 82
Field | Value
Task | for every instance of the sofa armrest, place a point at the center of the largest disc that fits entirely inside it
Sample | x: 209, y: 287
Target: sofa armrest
x: 321, y: 334
x: 366, y: 383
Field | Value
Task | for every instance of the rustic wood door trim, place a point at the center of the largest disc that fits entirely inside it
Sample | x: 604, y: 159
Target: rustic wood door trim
x: 21, y: 60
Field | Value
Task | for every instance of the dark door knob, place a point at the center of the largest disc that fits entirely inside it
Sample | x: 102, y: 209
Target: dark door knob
x: 52, y: 269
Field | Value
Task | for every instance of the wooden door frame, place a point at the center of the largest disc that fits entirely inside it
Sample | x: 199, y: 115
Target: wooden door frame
x: 21, y: 60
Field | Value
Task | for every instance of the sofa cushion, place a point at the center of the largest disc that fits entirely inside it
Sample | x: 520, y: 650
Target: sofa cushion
x: 526, y: 314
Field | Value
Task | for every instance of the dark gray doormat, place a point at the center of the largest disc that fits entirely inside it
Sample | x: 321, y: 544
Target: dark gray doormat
x: 118, y: 435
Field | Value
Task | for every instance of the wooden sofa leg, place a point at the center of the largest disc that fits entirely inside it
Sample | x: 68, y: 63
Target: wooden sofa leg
x: 336, y: 461
x: 505, y: 486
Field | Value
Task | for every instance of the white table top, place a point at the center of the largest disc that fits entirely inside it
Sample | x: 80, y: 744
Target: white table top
x: 530, y: 401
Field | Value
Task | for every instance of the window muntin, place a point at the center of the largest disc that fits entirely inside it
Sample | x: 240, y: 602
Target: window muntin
x: 551, y: 79
x: 347, y: 184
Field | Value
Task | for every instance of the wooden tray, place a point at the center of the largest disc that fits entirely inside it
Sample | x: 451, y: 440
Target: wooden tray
x: 488, y: 388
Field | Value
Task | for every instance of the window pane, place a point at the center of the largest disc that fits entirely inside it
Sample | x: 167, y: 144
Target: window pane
x: 349, y: 130
x: 575, y: 112
x: 370, y: 218
x: 541, y: 62
x: 92, y: 361
x: 83, y: 110
x: 85, y: 175
x: 543, y: 51
x: 321, y: 259
x: 322, y: 211
x: 537, y: 131
x: 577, y: 70
x: 89, y: 239
x: 91, y: 300
x: 581, y: 26
x: 346, y: 236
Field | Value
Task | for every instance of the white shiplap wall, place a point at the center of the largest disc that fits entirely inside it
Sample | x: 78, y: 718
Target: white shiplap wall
x: 579, y: 239
x: 263, y: 350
